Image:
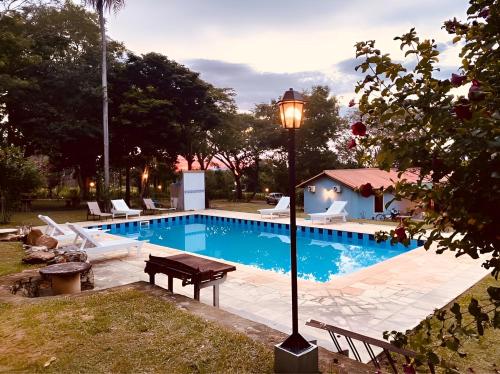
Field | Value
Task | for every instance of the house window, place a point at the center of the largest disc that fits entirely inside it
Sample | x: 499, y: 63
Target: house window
x: 378, y: 201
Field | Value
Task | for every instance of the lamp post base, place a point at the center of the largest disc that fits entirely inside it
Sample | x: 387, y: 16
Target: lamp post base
x: 303, y: 361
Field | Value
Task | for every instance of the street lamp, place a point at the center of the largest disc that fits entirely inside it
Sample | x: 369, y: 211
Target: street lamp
x: 295, y: 354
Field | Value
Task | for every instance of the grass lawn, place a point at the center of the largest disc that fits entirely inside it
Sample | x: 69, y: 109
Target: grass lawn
x: 56, y: 209
x: 121, y: 331
x: 246, y: 207
x: 10, y: 258
x: 483, y: 353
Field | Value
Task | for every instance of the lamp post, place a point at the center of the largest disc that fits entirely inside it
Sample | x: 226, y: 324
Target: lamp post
x: 295, y: 354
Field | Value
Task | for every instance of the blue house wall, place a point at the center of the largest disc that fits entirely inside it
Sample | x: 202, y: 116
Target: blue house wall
x: 357, y: 205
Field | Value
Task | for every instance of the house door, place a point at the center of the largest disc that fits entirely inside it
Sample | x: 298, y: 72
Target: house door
x: 378, y: 201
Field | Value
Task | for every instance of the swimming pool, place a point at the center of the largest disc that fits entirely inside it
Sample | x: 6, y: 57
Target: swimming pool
x: 322, y: 253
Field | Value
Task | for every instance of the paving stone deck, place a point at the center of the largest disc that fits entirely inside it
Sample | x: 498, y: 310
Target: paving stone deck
x: 393, y: 295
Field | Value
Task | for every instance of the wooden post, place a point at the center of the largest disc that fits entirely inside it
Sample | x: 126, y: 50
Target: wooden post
x: 216, y: 295
x: 171, y: 283
x: 197, y: 291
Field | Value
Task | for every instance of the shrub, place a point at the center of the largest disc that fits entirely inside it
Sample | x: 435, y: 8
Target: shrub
x: 17, y: 175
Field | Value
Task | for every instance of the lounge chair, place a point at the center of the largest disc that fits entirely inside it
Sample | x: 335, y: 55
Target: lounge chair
x: 281, y: 209
x: 95, y: 211
x: 120, y: 208
x: 60, y: 233
x: 336, y: 210
x: 150, y: 206
x: 92, y: 246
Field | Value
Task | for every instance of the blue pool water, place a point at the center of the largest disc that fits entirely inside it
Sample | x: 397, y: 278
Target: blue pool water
x: 322, y: 253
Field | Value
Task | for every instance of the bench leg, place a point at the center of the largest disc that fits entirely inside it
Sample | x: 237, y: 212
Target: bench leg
x: 197, y: 292
x: 170, y: 283
x: 151, y: 278
x: 216, y: 295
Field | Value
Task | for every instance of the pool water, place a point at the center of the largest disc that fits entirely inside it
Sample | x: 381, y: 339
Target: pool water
x: 322, y: 253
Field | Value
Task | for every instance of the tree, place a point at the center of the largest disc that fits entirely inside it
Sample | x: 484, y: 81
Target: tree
x: 19, y: 175
x: 416, y: 121
x: 100, y: 6
x: 52, y: 95
x: 200, y: 108
x: 232, y: 145
x: 203, y: 147
x: 317, y: 136
x: 9, y: 7
x: 143, y: 111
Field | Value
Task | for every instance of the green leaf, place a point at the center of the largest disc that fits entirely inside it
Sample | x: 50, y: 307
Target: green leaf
x: 496, y: 319
x: 480, y: 327
x: 453, y: 344
x: 494, y: 293
x: 474, y: 308
x: 433, y: 358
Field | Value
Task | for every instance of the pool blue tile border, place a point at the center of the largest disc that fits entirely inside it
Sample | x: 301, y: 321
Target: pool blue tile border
x: 267, y: 226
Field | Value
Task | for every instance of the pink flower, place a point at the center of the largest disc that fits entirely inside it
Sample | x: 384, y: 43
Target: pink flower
x: 462, y: 110
x: 358, y: 128
x: 475, y: 91
x: 408, y: 369
x: 351, y: 144
x: 352, y: 103
x: 401, y: 234
x: 366, y: 190
x: 457, y: 80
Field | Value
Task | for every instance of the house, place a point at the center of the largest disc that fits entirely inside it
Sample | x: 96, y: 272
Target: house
x: 342, y: 184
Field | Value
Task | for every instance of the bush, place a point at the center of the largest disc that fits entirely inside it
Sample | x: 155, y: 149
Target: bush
x: 19, y: 175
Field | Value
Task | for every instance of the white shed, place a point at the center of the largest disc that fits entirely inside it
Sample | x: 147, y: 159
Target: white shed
x: 190, y: 191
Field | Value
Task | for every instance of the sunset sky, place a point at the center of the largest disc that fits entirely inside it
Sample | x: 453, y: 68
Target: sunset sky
x: 261, y: 48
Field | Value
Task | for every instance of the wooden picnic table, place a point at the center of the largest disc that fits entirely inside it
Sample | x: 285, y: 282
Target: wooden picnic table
x: 65, y: 277
x: 198, y: 271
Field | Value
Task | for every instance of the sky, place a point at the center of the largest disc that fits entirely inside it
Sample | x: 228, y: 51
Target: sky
x: 263, y: 47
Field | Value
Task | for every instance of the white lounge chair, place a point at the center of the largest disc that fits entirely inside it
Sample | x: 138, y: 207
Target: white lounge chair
x: 120, y: 208
x: 336, y: 210
x: 60, y: 233
x: 92, y: 246
x: 95, y: 211
x: 150, y: 205
x: 281, y: 209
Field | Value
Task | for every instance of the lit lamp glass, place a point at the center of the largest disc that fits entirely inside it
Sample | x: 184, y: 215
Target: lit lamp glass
x: 291, y: 109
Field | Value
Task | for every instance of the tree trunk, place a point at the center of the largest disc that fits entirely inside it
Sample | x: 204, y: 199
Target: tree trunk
x: 3, y: 209
x: 104, y: 77
x: 256, y: 176
x: 239, y: 192
x: 189, y: 159
x: 80, y: 178
x: 201, y: 161
x: 204, y: 160
x: 127, y: 185
x: 144, y: 181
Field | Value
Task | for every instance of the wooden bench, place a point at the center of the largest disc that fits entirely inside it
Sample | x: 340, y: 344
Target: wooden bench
x: 198, y: 271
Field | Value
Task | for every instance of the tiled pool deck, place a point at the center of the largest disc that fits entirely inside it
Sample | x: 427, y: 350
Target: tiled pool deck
x: 393, y: 295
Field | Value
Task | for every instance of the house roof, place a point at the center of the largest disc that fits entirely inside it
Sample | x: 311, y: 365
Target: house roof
x: 356, y: 177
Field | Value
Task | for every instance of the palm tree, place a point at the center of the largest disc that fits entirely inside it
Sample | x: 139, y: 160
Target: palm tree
x: 100, y: 6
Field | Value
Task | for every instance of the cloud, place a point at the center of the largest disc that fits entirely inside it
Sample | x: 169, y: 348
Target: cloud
x: 253, y: 86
